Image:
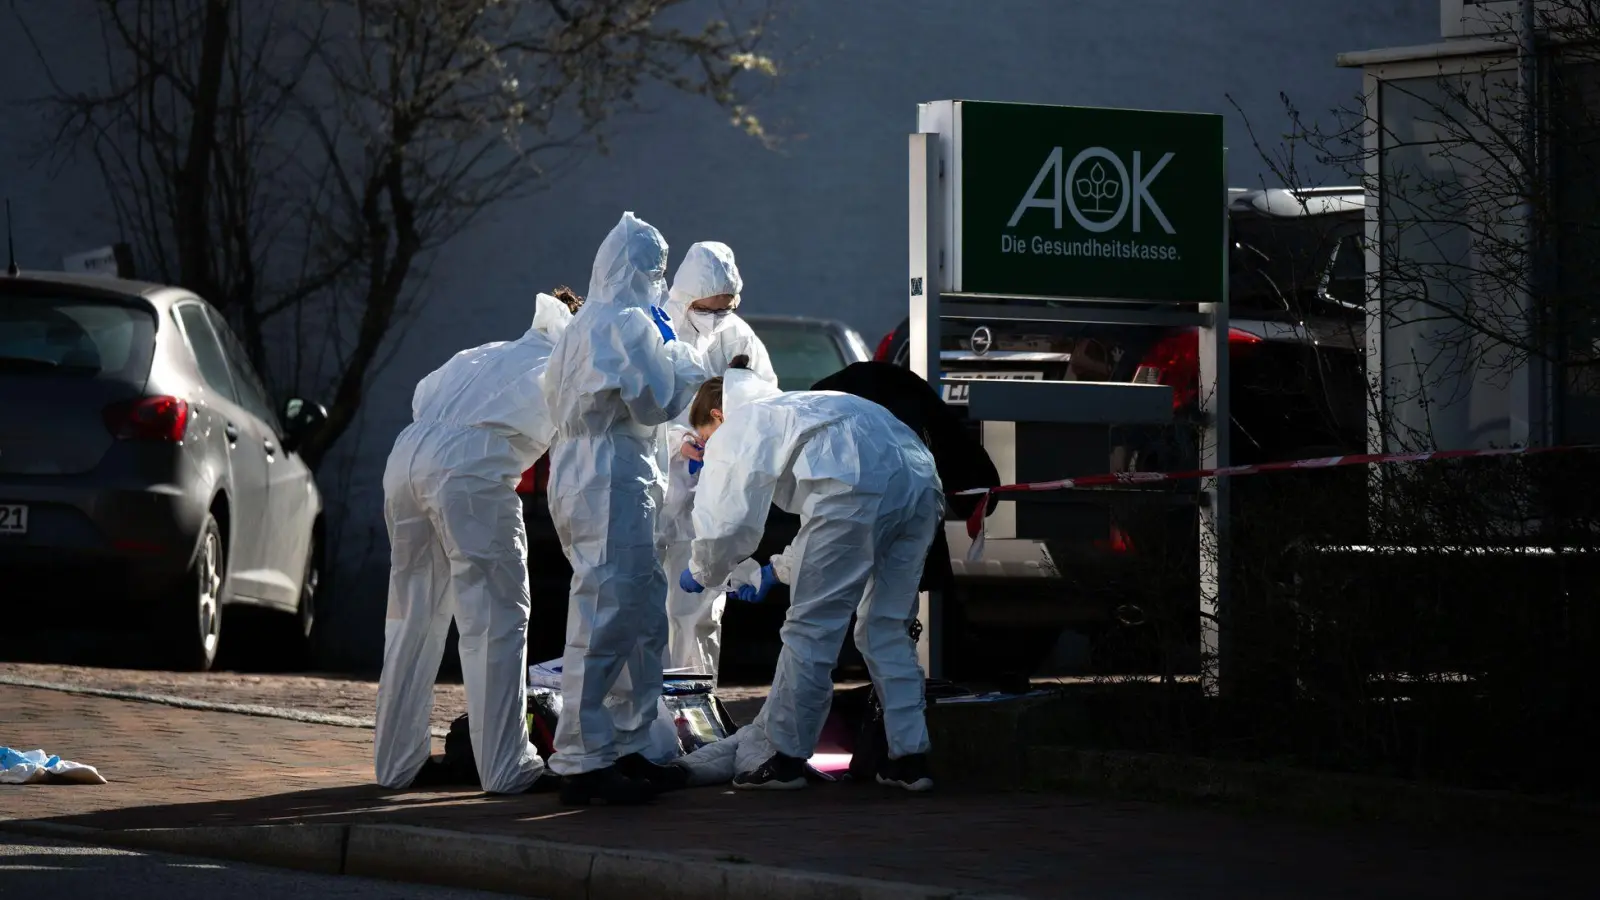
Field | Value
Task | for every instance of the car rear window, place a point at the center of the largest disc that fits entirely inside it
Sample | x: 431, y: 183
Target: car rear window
x: 801, y: 355
x: 1277, y: 264
x: 76, y: 336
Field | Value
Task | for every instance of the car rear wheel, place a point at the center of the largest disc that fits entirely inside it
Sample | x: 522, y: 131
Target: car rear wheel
x: 192, y: 626
x: 302, y: 652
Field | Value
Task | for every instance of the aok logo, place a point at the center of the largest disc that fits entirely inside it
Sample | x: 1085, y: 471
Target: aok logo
x: 1097, y: 189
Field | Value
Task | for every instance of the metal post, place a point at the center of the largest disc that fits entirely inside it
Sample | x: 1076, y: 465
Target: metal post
x: 925, y: 245
x: 1533, y: 383
x: 1213, y: 515
x: 1374, y: 196
x: 925, y: 242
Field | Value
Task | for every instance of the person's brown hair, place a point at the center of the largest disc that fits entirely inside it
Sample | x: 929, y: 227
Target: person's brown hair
x: 569, y: 297
x: 709, y: 397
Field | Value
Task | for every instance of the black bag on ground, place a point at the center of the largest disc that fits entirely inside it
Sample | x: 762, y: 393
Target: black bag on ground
x: 871, y: 749
x: 459, y: 763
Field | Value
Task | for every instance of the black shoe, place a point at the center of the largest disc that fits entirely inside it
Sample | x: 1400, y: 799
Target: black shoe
x: 548, y: 782
x: 908, y: 773
x: 780, y: 773
x: 606, y: 786
x: 662, y: 778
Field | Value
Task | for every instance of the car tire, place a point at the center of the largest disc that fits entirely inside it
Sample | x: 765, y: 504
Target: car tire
x: 191, y: 627
x: 302, y: 651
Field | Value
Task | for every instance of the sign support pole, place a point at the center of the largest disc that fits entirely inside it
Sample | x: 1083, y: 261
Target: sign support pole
x: 1214, y: 500
x: 923, y: 286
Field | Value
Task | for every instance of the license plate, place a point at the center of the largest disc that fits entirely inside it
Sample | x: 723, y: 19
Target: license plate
x: 13, y: 519
x: 956, y: 394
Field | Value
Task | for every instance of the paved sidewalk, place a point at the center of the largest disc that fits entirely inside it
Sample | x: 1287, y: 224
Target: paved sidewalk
x: 174, y: 767
x: 352, y: 696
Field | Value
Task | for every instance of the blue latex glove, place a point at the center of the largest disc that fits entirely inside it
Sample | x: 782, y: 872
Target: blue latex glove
x: 663, y: 324
x: 752, y: 593
x: 687, y: 582
x: 695, y: 466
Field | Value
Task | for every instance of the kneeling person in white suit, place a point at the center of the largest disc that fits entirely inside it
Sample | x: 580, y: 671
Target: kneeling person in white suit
x: 868, y: 495
x: 458, y: 547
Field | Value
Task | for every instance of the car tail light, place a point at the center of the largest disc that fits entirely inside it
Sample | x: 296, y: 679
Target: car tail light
x: 1118, y: 543
x: 1175, y: 361
x: 148, y: 419
x: 884, y: 346
x: 536, y: 478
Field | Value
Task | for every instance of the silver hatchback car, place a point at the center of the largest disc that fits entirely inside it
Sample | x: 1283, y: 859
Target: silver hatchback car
x: 146, y: 481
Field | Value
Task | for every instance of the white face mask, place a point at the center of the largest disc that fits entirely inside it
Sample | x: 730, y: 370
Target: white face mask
x: 705, y: 320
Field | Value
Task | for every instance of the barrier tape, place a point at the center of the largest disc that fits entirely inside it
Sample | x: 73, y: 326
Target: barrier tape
x: 975, y: 521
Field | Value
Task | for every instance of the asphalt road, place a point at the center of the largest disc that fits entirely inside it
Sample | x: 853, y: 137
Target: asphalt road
x: 53, y: 870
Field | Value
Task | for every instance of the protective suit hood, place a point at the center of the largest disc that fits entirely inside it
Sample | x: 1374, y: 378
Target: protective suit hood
x: 742, y: 386
x: 707, y: 270
x: 630, y: 268
x: 550, y: 317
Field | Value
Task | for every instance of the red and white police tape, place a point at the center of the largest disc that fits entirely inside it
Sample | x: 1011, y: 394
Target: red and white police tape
x: 975, y: 521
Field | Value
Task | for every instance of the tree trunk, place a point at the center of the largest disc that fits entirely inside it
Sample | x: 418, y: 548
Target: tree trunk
x: 193, y: 187
x: 386, y: 282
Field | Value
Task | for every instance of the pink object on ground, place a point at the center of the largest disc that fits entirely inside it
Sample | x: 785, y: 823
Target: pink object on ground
x: 830, y: 763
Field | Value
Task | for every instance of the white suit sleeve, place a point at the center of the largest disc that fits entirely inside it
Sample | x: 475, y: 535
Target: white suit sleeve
x: 731, y: 504
x: 661, y: 380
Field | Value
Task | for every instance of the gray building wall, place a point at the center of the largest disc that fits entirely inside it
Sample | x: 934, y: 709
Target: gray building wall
x: 819, y: 226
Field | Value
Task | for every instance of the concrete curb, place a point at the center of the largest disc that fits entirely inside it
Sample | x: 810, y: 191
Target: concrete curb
x: 243, y: 709
x: 545, y: 869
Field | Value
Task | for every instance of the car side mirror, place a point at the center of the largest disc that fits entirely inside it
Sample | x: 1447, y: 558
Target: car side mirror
x: 300, y: 418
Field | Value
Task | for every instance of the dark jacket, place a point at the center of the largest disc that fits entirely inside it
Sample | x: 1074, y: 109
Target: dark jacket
x: 962, y: 461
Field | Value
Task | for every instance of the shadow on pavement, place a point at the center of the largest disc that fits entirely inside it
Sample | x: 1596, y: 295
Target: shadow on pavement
x: 1029, y: 844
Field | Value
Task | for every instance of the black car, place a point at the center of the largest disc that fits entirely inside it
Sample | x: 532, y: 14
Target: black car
x: 146, y: 482
x: 1297, y: 336
x: 803, y: 350
x: 1297, y: 355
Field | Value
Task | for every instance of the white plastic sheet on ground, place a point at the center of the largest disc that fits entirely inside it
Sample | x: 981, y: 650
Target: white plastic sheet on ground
x: 39, y: 767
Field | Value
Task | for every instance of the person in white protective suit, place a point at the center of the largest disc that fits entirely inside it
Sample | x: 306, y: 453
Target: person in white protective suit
x: 615, y: 377
x: 868, y: 495
x: 458, y: 548
x: 705, y: 294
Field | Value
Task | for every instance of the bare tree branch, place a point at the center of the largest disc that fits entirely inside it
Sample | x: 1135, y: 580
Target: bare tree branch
x: 295, y: 163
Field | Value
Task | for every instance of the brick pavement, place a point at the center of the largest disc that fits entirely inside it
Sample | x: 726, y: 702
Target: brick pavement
x: 354, y: 696
x: 172, y: 767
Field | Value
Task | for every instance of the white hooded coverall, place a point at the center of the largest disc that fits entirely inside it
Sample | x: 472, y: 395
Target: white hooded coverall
x: 458, y: 547
x: 868, y: 495
x: 611, y: 385
x: 694, y: 621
